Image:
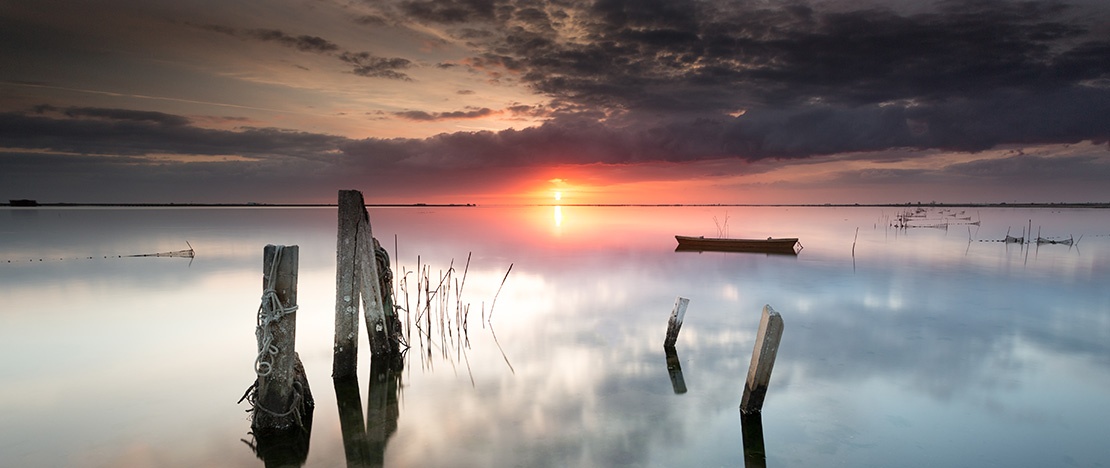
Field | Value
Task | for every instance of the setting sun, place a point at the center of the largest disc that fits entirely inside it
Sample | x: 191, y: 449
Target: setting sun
x: 558, y: 196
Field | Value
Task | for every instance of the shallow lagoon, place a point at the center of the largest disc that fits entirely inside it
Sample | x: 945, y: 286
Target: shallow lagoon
x: 916, y: 347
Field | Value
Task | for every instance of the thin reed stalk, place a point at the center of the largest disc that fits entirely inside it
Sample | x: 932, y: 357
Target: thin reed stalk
x: 494, y: 303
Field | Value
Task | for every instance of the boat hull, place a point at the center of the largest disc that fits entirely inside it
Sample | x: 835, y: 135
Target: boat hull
x: 786, y: 246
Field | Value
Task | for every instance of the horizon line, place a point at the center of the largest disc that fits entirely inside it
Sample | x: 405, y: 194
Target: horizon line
x: 36, y: 204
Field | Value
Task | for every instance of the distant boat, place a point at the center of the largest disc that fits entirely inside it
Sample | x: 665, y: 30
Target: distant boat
x: 23, y: 202
x: 1014, y: 240
x: 788, y: 245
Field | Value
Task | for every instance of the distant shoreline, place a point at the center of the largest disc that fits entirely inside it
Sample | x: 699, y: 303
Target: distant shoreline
x: 231, y: 205
x: 471, y: 205
x: 855, y: 205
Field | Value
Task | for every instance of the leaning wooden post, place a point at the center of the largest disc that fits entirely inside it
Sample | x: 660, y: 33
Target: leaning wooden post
x: 369, y: 285
x: 345, y: 349
x: 763, y: 360
x: 282, y: 395
x: 675, y: 323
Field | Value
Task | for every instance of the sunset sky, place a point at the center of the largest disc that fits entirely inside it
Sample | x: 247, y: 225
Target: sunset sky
x: 513, y: 101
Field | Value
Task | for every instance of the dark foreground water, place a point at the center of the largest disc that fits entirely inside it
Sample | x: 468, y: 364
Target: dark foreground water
x: 916, y: 347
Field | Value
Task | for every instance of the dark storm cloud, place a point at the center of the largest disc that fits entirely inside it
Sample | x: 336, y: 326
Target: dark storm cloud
x: 964, y: 75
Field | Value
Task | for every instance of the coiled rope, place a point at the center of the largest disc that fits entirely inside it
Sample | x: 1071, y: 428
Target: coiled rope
x: 270, y: 311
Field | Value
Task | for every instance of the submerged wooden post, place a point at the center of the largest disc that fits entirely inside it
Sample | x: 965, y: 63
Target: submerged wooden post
x: 357, y: 277
x: 763, y: 360
x: 675, y: 323
x: 282, y: 395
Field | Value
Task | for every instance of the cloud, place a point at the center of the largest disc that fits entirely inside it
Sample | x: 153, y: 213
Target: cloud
x: 303, y: 43
x: 160, y: 118
x: 453, y: 115
x: 130, y: 133
x: 812, y: 80
x: 450, y: 11
x: 366, y: 64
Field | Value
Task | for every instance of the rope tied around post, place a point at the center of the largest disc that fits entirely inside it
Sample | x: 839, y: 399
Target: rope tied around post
x: 280, y: 397
x: 295, y: 405
x: 267, y: 316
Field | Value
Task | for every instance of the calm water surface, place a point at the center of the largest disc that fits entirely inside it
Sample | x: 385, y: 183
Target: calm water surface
x: 916, y: 347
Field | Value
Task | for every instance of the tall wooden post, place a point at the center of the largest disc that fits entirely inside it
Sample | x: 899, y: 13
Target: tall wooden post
x: 281, y: 394
x: 763, y: 360
x: 357, y: 277
x: 345, y: 349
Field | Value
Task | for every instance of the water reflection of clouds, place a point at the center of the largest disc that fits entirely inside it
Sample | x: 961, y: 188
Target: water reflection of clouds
x: 916, y: 336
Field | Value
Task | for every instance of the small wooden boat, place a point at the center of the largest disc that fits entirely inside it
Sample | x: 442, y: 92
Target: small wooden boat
x: 786, y: 245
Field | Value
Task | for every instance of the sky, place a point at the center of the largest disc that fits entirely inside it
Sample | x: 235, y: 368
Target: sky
x: 520, y: 101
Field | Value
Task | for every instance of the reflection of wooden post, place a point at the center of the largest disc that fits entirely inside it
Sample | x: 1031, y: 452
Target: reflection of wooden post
x: 365, y: 443
x: 281, y: 395
x: 763, y: 360
x: 675, y: 371
x: 382, y: 410
x: 351, y: 422
x: 675, y: 323
x: 751, y: 427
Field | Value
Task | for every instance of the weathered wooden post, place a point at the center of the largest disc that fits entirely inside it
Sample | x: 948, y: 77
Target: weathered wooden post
x: 675, y: 323
x: 763, y: 360
x: 282, y: 398
x: 358, y: 277
x: 345, y: 349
